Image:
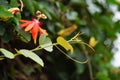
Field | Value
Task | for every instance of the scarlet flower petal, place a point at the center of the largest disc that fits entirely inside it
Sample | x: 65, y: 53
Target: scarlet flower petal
x: 34, y: 26
x: 23, y: 20
x: 30, y: 26
x: 34, y: 32
x: 25, y: 24
x: 43, y: 31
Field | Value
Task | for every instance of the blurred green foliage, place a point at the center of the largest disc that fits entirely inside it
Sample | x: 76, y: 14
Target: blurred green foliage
x: 61, y: 14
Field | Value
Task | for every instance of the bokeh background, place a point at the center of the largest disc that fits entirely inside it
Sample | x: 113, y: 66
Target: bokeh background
x: 92, y: 18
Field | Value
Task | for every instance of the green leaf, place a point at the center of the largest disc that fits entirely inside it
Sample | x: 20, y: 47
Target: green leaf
x: 2, y: 30
x: 4, y: 14
x: 29, y: 5
x: 7, y: 53
x: 4, y: 3
x: 102, y: 76
x: 60, y: 6
x: 7, y: 37
x: 61, y: 41
x: 45, y: 43
x: 13, y: 3
x: 32, y: 56
x: 25, y: 36
x: 13, y: 20
x: 18, y: 16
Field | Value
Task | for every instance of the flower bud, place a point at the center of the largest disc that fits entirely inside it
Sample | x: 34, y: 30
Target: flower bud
x: 14, y: 10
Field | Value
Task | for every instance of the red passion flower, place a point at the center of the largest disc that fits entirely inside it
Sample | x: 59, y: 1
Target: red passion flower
x: 34, y: 26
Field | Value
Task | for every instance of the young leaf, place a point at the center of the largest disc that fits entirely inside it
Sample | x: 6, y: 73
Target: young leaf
x: 7, y: 53
x: 61, y: 41
x: 25, y: 36
x: 32, y: 56
x: 45, y: 43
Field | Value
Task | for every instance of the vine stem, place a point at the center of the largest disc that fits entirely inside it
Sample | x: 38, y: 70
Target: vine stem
x: 39, y: 48
x: 89, y: 63
x: 55, y: 44
x: 74, y: 39
x: 71, y: 57
x: 21, y: 5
